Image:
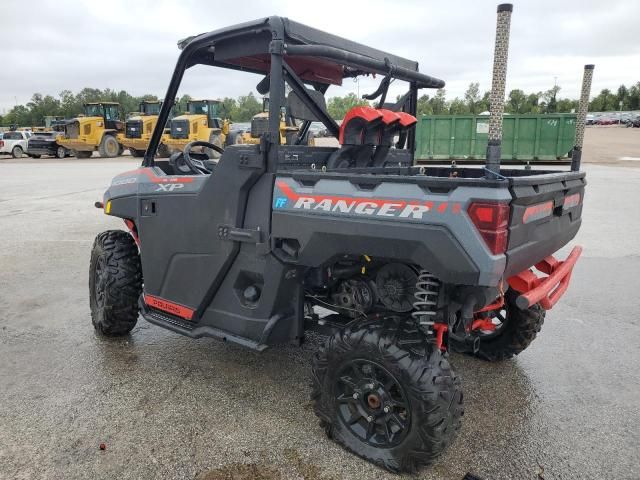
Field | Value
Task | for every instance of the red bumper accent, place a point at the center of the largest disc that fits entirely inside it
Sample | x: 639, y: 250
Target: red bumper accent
x: 169, y: 307
x: 546, y: 290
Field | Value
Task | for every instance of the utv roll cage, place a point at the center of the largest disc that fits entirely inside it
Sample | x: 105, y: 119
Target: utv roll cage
x: 300, y: 56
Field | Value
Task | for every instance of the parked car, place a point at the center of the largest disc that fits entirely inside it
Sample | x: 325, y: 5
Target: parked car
x: 14, y: 143
x: 633, y: 121
x: 44, y: 143
x: 318, y: 129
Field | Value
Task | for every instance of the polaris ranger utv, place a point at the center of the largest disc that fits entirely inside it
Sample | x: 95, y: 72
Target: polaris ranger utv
x: 412, y: 261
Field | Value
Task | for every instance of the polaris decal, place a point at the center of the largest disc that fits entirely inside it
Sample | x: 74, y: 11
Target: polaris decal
x: 287, y: 198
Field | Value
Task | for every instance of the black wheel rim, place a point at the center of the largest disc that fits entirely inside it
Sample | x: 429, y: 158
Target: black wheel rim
x: 100, y: 282
x: 372, y: 404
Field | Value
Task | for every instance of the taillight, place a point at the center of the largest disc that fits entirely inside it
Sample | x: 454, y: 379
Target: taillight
x: 1, y: 143
x: 492, y: 222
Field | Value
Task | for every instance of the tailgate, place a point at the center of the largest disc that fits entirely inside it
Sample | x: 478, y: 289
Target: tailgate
x: 546, y: 214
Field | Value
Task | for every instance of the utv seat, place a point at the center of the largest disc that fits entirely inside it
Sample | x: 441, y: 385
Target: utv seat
x: 359, y: 134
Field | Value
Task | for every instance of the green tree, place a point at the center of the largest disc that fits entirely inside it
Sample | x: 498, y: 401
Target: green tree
x: 229, y: 108
x: 423, y: 107
x: 472, y: 98
x: 633, y: 99
x: 604, y: 102
x: 439, y: 102
x: 248, y: 106
x: 550, y: 97
x: 458, y: 107
x: 516, y: 102
x: 42, y: 106
x: 339, y: 106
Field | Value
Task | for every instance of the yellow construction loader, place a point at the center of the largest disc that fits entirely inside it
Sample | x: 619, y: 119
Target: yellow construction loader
x: 200, y: 122
x: 97, y: 130
x: 139, y: 128
x: 260, y: 124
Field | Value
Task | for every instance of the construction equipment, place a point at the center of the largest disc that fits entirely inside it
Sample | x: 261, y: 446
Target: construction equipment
x: 201, y: 122
x: 97, y: 130
x: 138, y: 129
x: 260, y: 124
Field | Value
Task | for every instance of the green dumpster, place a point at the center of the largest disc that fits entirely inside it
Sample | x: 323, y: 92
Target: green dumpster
x: 524, y: 137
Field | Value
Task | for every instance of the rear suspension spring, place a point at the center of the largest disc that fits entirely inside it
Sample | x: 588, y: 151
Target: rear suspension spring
x: 426, y: 295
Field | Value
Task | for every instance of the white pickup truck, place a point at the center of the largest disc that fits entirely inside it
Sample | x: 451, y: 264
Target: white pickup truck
x: 14, y: 143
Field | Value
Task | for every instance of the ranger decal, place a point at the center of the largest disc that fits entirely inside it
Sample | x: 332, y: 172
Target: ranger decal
x: 411, y: 209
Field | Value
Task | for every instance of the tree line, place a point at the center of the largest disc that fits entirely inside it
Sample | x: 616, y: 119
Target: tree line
x: 69, y: 105
x: 241, y: 109
x: 517, y: 101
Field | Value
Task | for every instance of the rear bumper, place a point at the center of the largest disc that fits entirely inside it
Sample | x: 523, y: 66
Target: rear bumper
x: 545, y: 291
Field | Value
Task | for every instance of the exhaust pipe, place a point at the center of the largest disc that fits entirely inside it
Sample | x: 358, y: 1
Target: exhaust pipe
x: 496, y: 108
x: 583, y: 108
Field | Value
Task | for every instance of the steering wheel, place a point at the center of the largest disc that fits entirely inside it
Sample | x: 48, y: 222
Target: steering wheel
x: 195, y: 162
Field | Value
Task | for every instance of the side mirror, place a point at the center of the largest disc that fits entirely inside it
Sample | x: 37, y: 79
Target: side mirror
x: 264, y: 85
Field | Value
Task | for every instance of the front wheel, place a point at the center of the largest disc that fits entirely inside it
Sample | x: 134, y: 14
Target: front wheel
x: 17, y: 152
x: 109, y: 147
x: 384, y: 392
x: 512, y: 332
x: 115, y: 283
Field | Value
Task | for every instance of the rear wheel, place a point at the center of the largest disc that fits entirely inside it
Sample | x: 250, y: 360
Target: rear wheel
x: 16, y: 152
x: 513, y: 332
x: 234, y: 138
x: 216, y: 139
x: 60, y: 152
x: 387, y: 394
x: 115, y: 283
x: 109, y: 146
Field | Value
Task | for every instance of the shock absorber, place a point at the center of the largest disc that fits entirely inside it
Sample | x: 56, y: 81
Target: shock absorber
x: 426, y: 295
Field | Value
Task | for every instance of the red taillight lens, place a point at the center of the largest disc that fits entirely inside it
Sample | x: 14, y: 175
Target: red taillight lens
x: 1, y: 143
x: 492, y: 222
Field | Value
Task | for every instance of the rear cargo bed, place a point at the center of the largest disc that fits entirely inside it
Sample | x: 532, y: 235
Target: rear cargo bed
x: 545, y: 208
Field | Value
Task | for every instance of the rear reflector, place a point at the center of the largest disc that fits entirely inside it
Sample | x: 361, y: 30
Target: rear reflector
x: 537, y: 212
x: 571, y: 201
x: 492, y: 222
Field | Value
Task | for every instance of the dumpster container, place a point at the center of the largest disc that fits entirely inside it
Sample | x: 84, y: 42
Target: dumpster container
x: 525, y: 137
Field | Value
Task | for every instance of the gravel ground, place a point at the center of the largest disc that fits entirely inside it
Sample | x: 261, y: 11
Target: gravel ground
x: 166, y: 406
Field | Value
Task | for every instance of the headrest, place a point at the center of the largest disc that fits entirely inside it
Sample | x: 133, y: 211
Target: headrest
x: 370, y: 126
x: 359, y: 126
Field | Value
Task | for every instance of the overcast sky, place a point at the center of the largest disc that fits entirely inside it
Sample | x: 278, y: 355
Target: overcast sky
x: 48, y: 46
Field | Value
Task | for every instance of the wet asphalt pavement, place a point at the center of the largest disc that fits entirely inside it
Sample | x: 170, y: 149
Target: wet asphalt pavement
x: 166, y: 406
